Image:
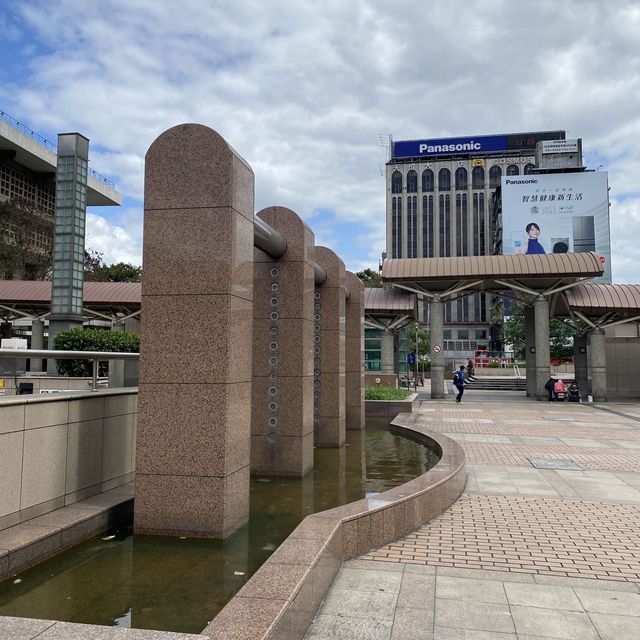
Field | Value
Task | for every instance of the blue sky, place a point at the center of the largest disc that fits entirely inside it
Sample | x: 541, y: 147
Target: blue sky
x: 303, y: 89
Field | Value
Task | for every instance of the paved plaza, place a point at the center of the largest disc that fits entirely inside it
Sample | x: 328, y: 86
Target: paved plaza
x: 544, y: 543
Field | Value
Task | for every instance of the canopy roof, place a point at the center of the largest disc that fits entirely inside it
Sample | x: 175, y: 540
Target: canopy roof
x: 33, y: 297
x: 388, y: 308
x: 537, y: 273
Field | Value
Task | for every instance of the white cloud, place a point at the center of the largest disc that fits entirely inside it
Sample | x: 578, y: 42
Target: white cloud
x: 302, y: 89
x: 117, y: 243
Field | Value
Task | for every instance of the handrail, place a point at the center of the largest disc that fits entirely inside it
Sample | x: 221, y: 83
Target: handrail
x: 94, y: 356
x: 47, y: 144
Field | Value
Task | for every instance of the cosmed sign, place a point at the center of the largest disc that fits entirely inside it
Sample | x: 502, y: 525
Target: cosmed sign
x: 557, y: 213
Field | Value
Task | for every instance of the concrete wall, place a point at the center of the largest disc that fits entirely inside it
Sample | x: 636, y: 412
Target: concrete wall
x: 61, y: 449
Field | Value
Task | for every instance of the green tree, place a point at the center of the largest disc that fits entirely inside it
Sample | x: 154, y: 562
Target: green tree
x: 95, y: 270
x: 560, y: 335
x: 92, y: 340
x: 370, y: 278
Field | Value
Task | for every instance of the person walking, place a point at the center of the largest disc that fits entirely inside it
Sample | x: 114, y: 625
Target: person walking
x: 458, y: 381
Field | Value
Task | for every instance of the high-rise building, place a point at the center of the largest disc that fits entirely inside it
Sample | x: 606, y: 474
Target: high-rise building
x: 438, y: 194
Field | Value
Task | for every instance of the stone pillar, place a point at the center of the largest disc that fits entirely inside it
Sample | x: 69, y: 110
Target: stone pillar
x: 598, y: 362
x: 37, y: 344
x: 116, y: 367
x: 282, y: 392
x: 387, y: 353
x: 529, y: 345
x: 436, y: 328
x: 543, y: 351
x: 194, y: 411
x: 354, y: 353
x: 329, y: 344
x: 581, y: 365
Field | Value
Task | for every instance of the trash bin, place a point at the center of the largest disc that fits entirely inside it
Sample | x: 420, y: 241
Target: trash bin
x: 25, y: 388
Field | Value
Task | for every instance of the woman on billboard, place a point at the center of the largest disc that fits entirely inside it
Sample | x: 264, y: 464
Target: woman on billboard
x: 533, y: 246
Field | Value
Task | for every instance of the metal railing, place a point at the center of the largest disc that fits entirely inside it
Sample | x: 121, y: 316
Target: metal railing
x: 47, y: 144
x: 94, y: 356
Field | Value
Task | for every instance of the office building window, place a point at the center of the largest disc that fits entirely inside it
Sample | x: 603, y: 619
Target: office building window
x: 447, y: 312
x: 478, y: 225
x: 513, y: 170
x: 412, y: 227
x: 446, y: 334
x: 477, y: 178
x: 396, y: 228
x: 444, y: 214
x: 427, y: 180
x: 462, y: 224
x: 495, y: 173
x: 412, y: 182
x: 463, y: 334
x: 444, y: 180
x: 427, y: 226
x: 528, y: 169
x: 396, y: 182
x: 461, y: 179
x: 481, y: 334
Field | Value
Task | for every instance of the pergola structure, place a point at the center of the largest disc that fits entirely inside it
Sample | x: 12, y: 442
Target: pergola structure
x: 388, y: 309
x: 539, y: 280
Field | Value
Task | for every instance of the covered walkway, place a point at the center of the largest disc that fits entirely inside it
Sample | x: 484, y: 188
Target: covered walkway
x: 539, y: 280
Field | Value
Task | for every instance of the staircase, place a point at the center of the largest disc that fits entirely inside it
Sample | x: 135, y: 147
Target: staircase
x: 497, y: 384
x: 503, y: 384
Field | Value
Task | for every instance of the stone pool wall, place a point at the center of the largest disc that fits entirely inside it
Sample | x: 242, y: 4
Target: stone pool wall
x: 59, y: 450
x: 281, y: 598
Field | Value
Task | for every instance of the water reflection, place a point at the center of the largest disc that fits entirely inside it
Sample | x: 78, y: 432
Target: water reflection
x: 177, y: 584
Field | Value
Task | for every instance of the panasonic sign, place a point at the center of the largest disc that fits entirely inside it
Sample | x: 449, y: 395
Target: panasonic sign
x: 523, y: 181
x: 448, y: 148
x: 472, y: 145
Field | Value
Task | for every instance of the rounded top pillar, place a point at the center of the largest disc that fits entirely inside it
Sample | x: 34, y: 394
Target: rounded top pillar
x: 192, y: 166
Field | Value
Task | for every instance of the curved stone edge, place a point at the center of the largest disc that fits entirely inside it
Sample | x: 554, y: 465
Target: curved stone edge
x: 282, y: 597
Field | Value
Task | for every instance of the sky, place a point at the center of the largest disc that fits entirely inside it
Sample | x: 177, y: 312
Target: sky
x: 308, y: 93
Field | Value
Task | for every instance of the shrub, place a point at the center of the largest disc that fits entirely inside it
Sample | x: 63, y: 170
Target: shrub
x: 385, y: 393
x: 92, y: 340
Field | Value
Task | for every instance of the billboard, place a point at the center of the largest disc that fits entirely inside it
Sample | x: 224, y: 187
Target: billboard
x: 473, y: 144
x: 557, y: 213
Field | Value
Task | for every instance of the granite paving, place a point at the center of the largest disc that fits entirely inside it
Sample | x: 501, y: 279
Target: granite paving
x: 544, y: 542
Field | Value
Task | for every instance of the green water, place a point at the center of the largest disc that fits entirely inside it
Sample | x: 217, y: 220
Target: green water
x: 179, y: 585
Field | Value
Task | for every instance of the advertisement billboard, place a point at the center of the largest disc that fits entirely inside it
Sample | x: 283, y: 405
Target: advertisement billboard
x: 472, y: 144
x: 557, y: 213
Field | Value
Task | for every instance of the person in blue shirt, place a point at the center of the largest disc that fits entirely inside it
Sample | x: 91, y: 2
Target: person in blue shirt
x: 534, y: 233
x: 459, y: 383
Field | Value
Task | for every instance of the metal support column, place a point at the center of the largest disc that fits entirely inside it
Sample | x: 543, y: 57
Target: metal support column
x: 581, y: 365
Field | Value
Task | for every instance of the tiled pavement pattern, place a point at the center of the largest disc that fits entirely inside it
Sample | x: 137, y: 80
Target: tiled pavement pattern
x: 526, y: 553
x: 532, y: 535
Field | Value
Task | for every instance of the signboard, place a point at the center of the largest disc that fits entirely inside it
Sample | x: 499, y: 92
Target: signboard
x: 472, y: 145
x: 559, y: 146
x: 437, y: 348
x: 557, y: 213
x: 411, y: 359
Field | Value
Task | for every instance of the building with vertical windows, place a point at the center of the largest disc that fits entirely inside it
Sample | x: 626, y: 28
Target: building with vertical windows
x: 438, y: 193
x: 28, y: 165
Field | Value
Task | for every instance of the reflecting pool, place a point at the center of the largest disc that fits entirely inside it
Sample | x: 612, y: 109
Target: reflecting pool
x: 176, y: 584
